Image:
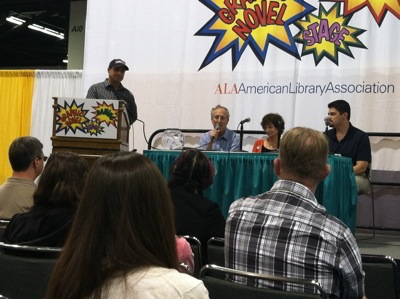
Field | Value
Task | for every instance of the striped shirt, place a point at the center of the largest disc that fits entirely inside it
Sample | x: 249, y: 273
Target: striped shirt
x: 286, y: 232
x: 106, y: 91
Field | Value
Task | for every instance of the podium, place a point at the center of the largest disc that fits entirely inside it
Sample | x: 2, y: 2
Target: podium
x: 89, y: 127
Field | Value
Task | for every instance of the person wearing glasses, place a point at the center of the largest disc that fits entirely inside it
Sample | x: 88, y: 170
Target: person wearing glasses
x: 56, y: 199
x: 220, y: 138
x: 112, y: 88
x: 27, y: 161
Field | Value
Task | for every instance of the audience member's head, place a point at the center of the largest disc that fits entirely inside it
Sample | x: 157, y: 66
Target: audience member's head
x: 192, y: 169
x: 342, y: 106
x: 62, y: 181
x: 26, y: 154
x: 275, y: 120
x: 304, y: 154
x: 124, y: 222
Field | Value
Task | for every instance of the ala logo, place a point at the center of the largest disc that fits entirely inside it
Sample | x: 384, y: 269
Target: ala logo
x: 225, y: 88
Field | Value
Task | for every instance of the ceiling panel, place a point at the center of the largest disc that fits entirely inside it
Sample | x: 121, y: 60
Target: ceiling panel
x: 21, y: 47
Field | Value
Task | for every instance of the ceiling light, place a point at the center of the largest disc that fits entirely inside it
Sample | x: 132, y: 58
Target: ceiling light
x: 37, y: 27
x: 15, y: 20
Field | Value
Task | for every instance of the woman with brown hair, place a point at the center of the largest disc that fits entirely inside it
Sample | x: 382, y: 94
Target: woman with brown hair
x: 196, y: 215
x: 122, y: 242
x: 273, y: 126
x: 55, y: 202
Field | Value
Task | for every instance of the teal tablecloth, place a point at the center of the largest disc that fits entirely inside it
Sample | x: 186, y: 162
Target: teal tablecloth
x: 243, y: 174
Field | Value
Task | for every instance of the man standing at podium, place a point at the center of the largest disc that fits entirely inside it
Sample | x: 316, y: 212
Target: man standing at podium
x: 112, y: 88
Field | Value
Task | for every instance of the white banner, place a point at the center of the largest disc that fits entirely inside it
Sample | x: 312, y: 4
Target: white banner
x: 255, y: 57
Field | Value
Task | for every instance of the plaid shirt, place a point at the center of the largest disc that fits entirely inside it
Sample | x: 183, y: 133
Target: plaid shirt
x: 106, y: 91
x: 286, y: 232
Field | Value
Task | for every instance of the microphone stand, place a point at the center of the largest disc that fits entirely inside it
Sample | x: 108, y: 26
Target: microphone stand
x: 241, y: 138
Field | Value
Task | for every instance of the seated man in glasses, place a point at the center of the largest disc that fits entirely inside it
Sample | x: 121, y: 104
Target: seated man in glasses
x: 27, y: 162
x: 220, y: 138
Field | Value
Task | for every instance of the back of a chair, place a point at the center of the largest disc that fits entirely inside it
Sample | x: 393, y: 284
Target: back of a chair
x: 195, y: 244
x: 215, y: 251
x: 23, y: 274
x: 183, y: 268
x: 4, y: 223
x: 30, y: 251
x: 3, y: 226
x: 223, y: 289
x: 24, y: 277
x: 381, y: 277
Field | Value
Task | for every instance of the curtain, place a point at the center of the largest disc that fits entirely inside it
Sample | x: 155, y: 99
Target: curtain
x: 16, y: 87
x: 49, y: 84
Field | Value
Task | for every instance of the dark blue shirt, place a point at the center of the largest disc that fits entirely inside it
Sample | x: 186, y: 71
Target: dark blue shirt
x: 354, y: 145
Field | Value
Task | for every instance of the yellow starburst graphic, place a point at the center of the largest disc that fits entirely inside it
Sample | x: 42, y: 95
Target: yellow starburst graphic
x: 378, y: 8
x: 71, y: 117
x: 257, y: 23
x: 327, y: 34
x: 106, y: 113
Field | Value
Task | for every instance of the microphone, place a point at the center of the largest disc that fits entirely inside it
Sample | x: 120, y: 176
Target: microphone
x: 327, y: 123
x: 246, y: 120
x: 217, y: 126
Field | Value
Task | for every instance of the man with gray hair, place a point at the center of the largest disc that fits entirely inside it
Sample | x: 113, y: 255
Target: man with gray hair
x: 27, y: 162
x: 220, y: 138
x: 285, y: 231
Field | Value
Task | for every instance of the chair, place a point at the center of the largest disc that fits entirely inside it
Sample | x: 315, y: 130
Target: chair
x: 195, y: 244
x: 381, y: 276
x: 371, y: 193
x: 215, y: 251
x: 23, y: 274
x: 183, y: 268
x: 223, y: 289
x: 3, y: 225
x: 30, y: 251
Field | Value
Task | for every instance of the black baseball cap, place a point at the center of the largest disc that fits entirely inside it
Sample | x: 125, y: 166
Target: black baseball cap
x: 118, y: 63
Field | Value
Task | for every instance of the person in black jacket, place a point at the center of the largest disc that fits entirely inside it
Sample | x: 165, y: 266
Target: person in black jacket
x: 56, y: 199
x: 196, y: 215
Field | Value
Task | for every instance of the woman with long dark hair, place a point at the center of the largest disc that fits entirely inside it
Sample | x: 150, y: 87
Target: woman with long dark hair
x: 55, y: 202
x: 122, y: 242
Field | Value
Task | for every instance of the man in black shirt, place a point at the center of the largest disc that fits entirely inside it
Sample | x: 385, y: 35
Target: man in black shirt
x: 349, y: 141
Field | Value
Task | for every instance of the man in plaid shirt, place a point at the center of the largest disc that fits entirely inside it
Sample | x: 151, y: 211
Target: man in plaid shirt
x: 285, y: 231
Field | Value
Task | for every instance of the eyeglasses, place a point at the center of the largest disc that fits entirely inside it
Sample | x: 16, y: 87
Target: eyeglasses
x: 42, y: 157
